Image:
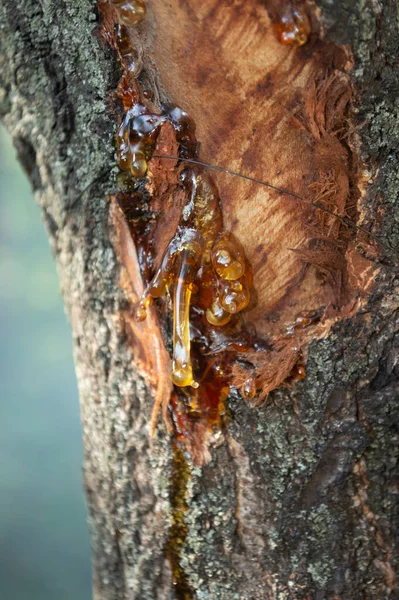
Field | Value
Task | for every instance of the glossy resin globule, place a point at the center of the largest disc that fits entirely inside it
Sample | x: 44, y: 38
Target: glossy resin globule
x: 292, y: 25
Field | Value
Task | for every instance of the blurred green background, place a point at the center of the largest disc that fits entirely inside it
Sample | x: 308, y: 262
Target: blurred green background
x: 44, y: 544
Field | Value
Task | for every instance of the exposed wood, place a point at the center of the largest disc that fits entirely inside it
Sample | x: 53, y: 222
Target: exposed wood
x: 271, y: 111
x: 279, y: 113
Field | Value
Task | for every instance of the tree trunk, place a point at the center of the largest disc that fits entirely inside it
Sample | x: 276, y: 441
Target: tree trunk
x: 299, y: 497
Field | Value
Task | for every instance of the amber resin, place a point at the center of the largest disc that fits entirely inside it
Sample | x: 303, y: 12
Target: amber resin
x: 293, y: 130
x: 180, y: 476
x: 291, y: 20
x: 203, y: 272
x: 129, y: 12
x: 292, y: 26
x: 203, y: 267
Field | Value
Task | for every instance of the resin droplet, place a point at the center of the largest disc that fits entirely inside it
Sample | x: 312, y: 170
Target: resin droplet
x: 182, y: 371
x: 228, y: 258
x: 158, y: 287
x: 234, y: 297
x: 304, y: 319
x: 124, y: 157
x: 184, y: 127
x: 216, y: 315
x: 123, y: 41
x: 248, y: 390
x: 136, y: 139
x: 139, y: 165
x: 293, y: 27
x: 298, y: 372
x: 141, y: 312
x: 130, y: 12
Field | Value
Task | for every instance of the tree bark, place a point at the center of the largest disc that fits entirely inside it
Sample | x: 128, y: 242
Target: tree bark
x: 299, y: 499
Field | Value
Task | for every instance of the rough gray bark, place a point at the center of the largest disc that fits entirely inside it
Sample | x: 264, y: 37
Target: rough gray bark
x: 299, y: 500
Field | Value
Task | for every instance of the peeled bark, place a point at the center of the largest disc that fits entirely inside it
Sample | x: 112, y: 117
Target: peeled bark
x: 299, y: 499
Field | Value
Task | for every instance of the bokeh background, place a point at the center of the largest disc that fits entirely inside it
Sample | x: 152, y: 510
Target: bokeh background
x: 44, y: 543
